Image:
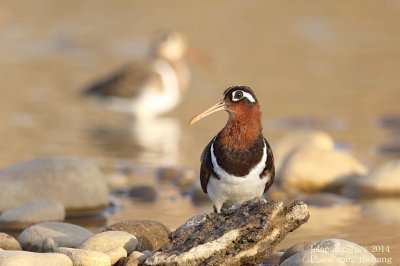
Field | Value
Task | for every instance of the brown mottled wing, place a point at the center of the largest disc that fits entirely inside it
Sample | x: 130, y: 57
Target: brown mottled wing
x: 269, y: 167
x: 206, y: 168
x: 127, y: 82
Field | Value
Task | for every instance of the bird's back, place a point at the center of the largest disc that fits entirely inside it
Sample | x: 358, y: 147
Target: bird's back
x: 128, y: 82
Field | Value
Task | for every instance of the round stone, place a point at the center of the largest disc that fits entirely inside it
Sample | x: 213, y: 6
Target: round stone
x: 17, y: 258
x: 151, y: 235
x: 85, y: 257
x: 288, y: 143
x: 312, y: 258
x: 77, y: 183
x: 311, y: 169
x: 382, y: 182
x: 143, y: 193
x: 50, y: 235
x: 116, y: 254
x: 8, y: 242
x: 349, y: 252
x: 24, y: 216
x: 110, y: 240
x: 299, y: 247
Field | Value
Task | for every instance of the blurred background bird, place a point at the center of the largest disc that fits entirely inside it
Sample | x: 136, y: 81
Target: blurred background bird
x: 148, y: 88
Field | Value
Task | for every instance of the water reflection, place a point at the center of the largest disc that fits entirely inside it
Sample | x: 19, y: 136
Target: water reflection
x: 159, y: 138
x: 150, y: 141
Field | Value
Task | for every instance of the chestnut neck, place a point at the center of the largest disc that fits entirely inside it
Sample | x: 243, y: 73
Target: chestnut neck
x: 242, y: 129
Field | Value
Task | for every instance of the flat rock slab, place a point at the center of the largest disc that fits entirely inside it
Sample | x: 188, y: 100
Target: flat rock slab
x: 245, y: 234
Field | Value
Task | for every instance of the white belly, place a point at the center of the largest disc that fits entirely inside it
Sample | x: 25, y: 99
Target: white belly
x: 233, y: 190
x: 153, y: 102
x: 230, y: 189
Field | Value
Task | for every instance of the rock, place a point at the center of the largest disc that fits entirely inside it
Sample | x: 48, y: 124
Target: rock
x: 186, y: 180
x: 390, y: 147
x: 18, y: 258
x: 85, y: 257
x: 141, y: 257
x: 243, y: 234
x: 135, y: 258
x: 299, y: 247
x: 382, y: 182
x: 325, y: 200
x: 312, y: 169
x: 286, y: 145
x: 182, y: 178
x: 8, y: 242
x: 50, y: 235
x: 24, y: 216
x: 310, y: 258
x: 116, y: 254
x: 49, y: 245
x: 78, y: 184
x: 273, y: 258
x: 168, y: 174
x: 143, y: 193
x: 128, y: 262
x: 151, y: 235
x: 109, y: 240
x: 349, y: 252
x: 390, y: 121
x: 117, y: 181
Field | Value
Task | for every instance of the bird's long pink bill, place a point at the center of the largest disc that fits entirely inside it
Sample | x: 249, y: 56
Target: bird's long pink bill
x: 218, y: 107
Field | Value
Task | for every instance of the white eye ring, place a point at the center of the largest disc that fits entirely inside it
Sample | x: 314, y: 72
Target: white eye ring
x: 239, y: 94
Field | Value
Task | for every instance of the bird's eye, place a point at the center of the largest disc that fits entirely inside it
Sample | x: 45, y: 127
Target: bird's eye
x: 237, y: 96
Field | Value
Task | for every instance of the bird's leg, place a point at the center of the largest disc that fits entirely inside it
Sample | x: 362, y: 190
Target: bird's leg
x: 217, y: 207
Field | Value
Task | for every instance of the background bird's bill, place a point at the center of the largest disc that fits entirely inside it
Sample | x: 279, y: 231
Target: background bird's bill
x: 215, y: 108
x: 199, y: 57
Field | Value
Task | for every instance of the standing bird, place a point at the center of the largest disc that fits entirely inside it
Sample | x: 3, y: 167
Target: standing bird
x: 152, y: 87
x: 238, y: 164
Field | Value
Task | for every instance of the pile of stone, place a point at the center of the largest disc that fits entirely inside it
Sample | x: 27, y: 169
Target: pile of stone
x: 58, y: 243
x: 308, y: 162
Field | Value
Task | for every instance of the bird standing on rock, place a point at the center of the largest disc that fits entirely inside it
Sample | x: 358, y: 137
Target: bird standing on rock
x: 152, y: 87
x: 238, y: 164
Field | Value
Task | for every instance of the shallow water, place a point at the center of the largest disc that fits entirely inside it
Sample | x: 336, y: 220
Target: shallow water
x: 323, y: 65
